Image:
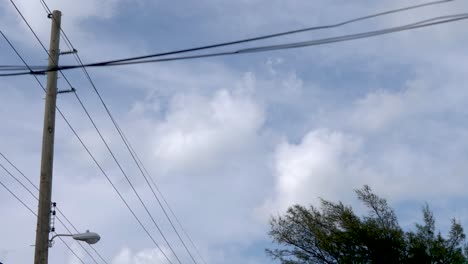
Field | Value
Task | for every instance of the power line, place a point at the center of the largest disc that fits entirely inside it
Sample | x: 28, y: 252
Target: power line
x: 18, y: 181
x: 58, y: 209
x: 35, y: 197
x: 39, y: 40
x: 126, y: 177
x: 17, y: 198
x: 69, y: 248
x: 122, y: 135
x: 46, y: 8
x: 114, y: 187
x: 22, y: 59
x: 19, y: 55
x: 93, y: 158
x: 415, y: 25
x: 64, y: 216
x: 278, y: 34
x: 84, y: 108
x: 67, y: 41
x: 165, y: 202
x: 419, y: 24
x: 121, y: 61
x: 16, y: 168
x: 34, y: 213
x: 87, y: 113
x: 76, y: 230
x: 17, y: 68
x: 89, y: 152
x: 133, y: 154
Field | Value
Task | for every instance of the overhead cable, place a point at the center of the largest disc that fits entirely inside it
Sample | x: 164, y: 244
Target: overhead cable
x: 166, y: 203
x: 95, y: 161
x: 30, y: 192
x: 354, y: 20
x: 37, y: 199
x: 84, y: 108
x: 125, y: 141
x: 58, y: 209
x: 419, y: 24
x: 128, y: 179
x: 254, y: 38
x: 87, y: 113
x: 368, y: 34
x: 34, y: 213
x: 38, y: 40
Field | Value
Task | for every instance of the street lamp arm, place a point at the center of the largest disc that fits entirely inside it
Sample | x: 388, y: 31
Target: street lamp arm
x: 59, y: 235
x: 51, y: 241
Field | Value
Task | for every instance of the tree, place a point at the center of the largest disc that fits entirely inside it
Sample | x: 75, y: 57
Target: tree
x: 335, y: 234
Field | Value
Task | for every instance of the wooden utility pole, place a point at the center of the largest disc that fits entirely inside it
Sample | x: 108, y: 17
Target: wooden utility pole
x: 47, y: 160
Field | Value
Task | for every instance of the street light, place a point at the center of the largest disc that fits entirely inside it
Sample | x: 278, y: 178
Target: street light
x: 88, y: 237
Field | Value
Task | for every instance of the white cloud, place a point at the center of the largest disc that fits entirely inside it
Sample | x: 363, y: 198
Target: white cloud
x: 198, y: 130
x: 377, y: 110
x: 396, y: 141
x: 321, y: 164
x: 145, y: 256
x: 427, y: 97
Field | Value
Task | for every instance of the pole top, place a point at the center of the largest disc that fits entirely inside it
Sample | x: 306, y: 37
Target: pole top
x: 55, y: 13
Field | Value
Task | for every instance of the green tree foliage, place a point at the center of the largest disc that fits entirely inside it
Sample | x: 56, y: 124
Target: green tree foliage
x: 335, y: 234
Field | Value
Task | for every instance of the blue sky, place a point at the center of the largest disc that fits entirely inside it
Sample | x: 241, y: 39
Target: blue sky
x: 234, y: 140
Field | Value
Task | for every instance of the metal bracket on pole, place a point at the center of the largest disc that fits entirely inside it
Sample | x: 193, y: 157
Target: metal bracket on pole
x: 72, y: 90
x: 69, y: 52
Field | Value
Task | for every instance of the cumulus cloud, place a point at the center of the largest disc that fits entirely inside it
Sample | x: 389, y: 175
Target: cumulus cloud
x: 389, y: 139
x: 321, y: 164
x: 197, y: 130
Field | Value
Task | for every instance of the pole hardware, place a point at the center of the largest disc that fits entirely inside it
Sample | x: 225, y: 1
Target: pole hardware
x: 72, y: 90
x: 69, y: 52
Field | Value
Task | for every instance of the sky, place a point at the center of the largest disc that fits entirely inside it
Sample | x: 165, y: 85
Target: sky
x: 233, y: 141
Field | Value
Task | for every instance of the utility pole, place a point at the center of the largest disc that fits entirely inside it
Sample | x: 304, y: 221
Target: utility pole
x: 47, y: 159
